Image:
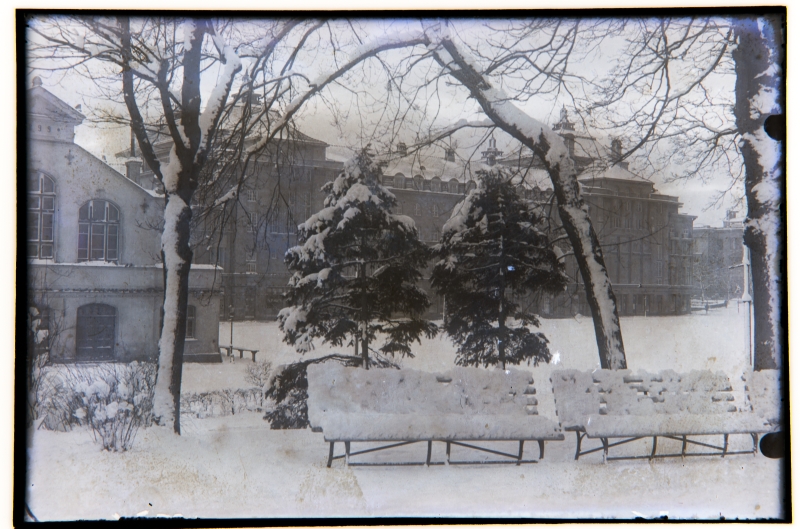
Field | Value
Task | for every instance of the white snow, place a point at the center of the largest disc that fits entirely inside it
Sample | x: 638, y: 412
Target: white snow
x: 235, y: 466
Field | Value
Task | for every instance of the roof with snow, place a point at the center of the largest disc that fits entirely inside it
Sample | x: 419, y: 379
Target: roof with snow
x: 616, y: 172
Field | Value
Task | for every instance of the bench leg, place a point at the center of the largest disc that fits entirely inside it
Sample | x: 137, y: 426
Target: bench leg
x: 655, y: 445
x: 683, y: 447
x: 519, y: 457
x: 541, y: 448
x: 428, y: 458
x: 330, y: 455
x: 724, y: 444
x: 755, y: 443
x: 447, y: 460
x: 254, y: 356
x: 347, y: 453
x: 605, y: 449
x: 578, y: 449
x: 241, y: 353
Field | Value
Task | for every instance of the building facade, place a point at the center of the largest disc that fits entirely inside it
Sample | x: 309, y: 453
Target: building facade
x: 93, y: 251
x: 718, y: 256
x: 647, y: 241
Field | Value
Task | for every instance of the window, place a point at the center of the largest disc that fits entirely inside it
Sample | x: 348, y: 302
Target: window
x: 627, y: 205
x: 252, y: 265
x: 639, y: 206
x: 436, y: 211
x: 251, y: 195
x: 98, y: 231
x: 452, y: 186
x: 41, y: 215
x: 685, y: 234
x: 436, y: 184
x: 418, y: 210
x: 191, y: 322
x: 252, y: 222
x: 95, y: 332
x: 659, y: 271
x: 222, y: 255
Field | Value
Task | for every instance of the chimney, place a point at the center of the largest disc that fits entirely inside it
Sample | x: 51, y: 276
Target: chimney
x: 133, y: 169
x: 450, y: 154
x: 616, y: 153
x: 402, y: 150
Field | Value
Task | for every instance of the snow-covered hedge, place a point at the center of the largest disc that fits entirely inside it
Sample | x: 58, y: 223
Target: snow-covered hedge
x: 223, y: 402
x: 462, y: 403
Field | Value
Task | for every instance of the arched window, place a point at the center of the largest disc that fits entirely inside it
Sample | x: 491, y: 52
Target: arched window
x: 96, y: 332
x: 436, y: 184
x: 418, y: 182
x: 452, y: 186
x: 409, y: 184
x: 399, y: 180
x: 191, y: 321
x: 41, y: 216
x: 98, y: 231
x: 472, y: 185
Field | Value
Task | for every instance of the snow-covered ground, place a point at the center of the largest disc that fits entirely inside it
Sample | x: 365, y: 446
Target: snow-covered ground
x: 236, y: 466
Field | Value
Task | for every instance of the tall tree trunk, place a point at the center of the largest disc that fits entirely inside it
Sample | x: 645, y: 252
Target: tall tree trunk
x: 364, y: 314
x: 572, y: 210
x: 759, y: 65
x: 177, y: 260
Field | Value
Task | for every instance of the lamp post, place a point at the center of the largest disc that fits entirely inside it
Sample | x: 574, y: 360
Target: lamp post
x: 230, y: 313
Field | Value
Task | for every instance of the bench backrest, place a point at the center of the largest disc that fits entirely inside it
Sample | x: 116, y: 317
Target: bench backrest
x: 461, y: 390
x: 605, y: 392
x: 764, y: 393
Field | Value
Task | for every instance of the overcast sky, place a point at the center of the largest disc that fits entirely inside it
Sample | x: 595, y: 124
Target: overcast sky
x: 448, y: 105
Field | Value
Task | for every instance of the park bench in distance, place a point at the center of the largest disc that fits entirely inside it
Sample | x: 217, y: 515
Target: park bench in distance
x: 623, y: 406
x: 229, y: 349
x: 459, y: 408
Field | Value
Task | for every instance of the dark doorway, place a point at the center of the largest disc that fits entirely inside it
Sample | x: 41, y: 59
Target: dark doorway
x: 96, y: 332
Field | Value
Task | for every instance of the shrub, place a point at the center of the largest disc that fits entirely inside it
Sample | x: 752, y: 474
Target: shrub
x: 258, y: 373
x: 114, y: 400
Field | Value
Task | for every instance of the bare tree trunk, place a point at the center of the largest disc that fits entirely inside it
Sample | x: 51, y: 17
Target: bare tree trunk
x: 177, y: 259
x: 758, y: 61
x: 572, y: 210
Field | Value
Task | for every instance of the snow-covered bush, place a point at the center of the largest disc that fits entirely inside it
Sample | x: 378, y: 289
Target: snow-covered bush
x: 113, y: 400
x: 258, y: 373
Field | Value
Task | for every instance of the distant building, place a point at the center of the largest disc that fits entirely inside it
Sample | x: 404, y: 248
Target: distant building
x: 647, y: 242
x: 718, y: 255
x: 92, y: 250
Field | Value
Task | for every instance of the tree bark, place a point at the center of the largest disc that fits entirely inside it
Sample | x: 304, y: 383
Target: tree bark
x: 177, y: 261
x: 572, y: 210
x: 759, y: 66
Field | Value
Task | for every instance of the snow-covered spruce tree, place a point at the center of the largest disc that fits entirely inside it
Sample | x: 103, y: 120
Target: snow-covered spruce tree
x: 491, y: 253
x: 356, y: 269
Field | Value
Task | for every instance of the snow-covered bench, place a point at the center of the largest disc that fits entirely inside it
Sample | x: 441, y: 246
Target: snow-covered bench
x: 629, y: 406
x: 400, y: 407
x: 229, y: 349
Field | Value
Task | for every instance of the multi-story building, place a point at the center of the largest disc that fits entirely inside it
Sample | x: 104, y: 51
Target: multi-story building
x: 647, y: 242
x: 718, y: 253
x: 93, y: 255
